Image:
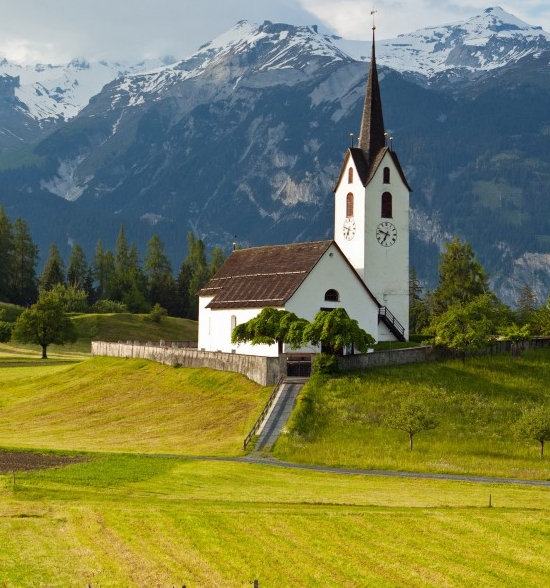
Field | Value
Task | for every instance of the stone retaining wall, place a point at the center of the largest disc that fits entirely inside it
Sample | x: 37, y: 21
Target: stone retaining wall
x: 263, y: 370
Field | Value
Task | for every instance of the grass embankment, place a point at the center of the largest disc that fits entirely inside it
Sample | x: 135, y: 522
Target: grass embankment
x: 100, y: 327
x: 106, y: 404
x: 340, y: 421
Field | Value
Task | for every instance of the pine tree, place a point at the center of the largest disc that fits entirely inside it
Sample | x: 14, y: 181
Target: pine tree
x: 54, y: 270
x: 6, y: 256
x: 193, y: 276
x: 78, y: 268
x: 25, y: 257
x: 526, y: 305
x: 461, y: 277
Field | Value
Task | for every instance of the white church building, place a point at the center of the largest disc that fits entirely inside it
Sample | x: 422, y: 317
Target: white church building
x: 364, y: 270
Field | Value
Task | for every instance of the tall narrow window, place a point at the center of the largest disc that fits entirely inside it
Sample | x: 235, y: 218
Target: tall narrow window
x: 332, y: 296
x: 233, y: 322
x: 386, y: 205
x: 349, y: 205
x: 386, y: 175
x: 350, y: 175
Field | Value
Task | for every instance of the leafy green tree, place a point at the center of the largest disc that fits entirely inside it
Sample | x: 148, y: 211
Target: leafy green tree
x: 25, y: 258
x: 45, y: 323
x: 468, y: 326
x: 78, y: 268
x: 54, y: 270
x: 412, y: 418
x: 334, y: 330
x: 535, y: 424
x: 6, y: 256
x: 270, y: 326
x: 516, y: 335
x: 72, y: 298
x: 461, y: 277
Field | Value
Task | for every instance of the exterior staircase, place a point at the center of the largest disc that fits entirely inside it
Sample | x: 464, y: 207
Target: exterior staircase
x: 276, y: 416
x: 395, y: 327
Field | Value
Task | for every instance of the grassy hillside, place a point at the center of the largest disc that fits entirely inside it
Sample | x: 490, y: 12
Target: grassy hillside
x: 106, y: 404
x: 102, y: 327
x: 126, y: 326
x: 340, y: 421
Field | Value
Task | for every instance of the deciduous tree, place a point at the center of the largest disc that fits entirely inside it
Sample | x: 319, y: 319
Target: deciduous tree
x: 45, y: 323
x: 412, y: 418
x: 535, y: 424
x: 468, y: 326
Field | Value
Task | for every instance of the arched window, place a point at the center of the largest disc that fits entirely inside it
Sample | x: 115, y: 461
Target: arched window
x: 332, y: 296
x: 350, y: 175
x: 386, y: 175
x: 349, y: 205
x: 386, y: 205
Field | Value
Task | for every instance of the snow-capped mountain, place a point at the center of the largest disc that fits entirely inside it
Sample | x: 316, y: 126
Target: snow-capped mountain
x: 51, y: 92
x: 484, y: 42
x: 247, y: 136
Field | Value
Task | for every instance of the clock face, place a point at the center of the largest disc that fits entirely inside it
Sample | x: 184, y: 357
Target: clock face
x: 386, y: 234
x: 348, y: 229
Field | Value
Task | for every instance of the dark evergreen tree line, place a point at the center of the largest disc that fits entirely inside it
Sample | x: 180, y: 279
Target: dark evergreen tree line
x: 111, y: 280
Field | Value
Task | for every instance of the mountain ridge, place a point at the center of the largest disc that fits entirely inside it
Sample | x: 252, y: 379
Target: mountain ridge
x: 246, y: 136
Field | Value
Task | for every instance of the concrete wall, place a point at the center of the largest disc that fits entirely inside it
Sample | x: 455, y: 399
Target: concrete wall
x: 428, y: 353
x: 263, y: 370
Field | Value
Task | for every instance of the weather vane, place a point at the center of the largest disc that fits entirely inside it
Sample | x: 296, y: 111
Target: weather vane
x: 373, y: 12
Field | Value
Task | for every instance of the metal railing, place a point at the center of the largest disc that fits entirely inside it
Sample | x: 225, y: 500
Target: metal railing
x: 395, y: 326
x: 264, y: 412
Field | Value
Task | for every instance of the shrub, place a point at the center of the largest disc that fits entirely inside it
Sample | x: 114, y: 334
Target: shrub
x: 108, y: 306
x: 325, y: 363
x: 157, y: 313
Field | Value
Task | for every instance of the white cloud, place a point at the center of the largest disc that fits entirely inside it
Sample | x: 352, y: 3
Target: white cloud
x: 57, y: 31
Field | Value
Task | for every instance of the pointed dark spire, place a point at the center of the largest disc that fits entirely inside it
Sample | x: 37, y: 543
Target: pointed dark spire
x: 371, y: 136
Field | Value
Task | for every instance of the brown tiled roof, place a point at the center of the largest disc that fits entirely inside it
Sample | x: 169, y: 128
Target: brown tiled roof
x: 263, y: 276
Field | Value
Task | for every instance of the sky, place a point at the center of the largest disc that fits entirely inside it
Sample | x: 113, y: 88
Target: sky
x: 56, y: 31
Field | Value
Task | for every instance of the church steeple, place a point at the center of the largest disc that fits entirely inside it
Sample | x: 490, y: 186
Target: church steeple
x: 371, y: 136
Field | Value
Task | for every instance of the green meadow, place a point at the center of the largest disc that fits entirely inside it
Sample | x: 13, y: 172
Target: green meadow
x: 155, y: 491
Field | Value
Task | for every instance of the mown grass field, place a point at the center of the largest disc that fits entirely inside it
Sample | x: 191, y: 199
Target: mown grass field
x: 132, y: 515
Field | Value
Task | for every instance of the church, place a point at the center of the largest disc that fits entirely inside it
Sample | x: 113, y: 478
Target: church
x: 364, y: 269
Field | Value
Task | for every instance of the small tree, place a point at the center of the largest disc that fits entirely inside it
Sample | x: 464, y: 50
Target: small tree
x: 334, y: 330
x: 516, y: 335
x: 45, y: 323
x: 535, y: 424
x: 157, y: 313
x: 412, y: 417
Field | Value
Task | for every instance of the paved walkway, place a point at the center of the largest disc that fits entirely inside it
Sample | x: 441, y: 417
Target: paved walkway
x: 280, y: 413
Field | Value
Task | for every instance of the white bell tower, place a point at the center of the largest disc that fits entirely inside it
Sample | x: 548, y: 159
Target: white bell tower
x: 371, y: 215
